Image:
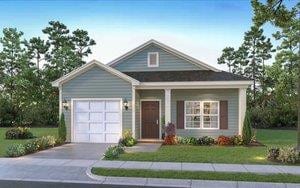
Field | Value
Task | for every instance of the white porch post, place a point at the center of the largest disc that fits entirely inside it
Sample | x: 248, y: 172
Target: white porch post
x: 242, y: 108
x: 133, y: 111
x: 167, y: 106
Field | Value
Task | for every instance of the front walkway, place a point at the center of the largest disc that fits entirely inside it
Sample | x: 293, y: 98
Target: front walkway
x: 213, y: 167
x: 143, y: 147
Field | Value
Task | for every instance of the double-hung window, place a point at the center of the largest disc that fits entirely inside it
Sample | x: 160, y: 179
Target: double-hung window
x: 193, y: 114
x: 201, y: 114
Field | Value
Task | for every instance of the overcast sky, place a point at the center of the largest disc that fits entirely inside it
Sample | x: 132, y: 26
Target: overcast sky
x: 200, y: 29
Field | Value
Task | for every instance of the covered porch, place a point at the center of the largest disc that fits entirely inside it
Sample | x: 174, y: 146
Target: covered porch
x: 156, y: 104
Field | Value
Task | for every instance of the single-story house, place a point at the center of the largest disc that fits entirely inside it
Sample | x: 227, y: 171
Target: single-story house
x: 146, y: 88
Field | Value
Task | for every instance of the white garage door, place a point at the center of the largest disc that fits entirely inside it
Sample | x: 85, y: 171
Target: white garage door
x: 97, y: 121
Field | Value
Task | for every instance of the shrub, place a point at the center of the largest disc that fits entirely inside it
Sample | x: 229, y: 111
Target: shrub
x: 113, y: 152
x: 237, y: 140
x: 288, y: 155
x: 170, y: 140
x: 47, y: 114
x: 247, y: 130
x: 187, y: 140
x: 31, y: 146
x: 7, y: 112
x: 18, y: 133
x: 206, y: 141
x: 62, y: 132
x: 46, y: 142
x: 273, y: 154
x: 127, y: 139
x: 170, y: 129
x: 15, y: 150
x: 224, y: 140
x: 59, y: 142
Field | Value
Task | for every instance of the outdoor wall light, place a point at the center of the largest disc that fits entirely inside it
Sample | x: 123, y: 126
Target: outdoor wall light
x: 125, y: 104
x: 65, y: 104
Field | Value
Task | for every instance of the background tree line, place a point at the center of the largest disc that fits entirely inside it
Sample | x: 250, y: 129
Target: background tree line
x: 272, y: 100
x: 27, y: 97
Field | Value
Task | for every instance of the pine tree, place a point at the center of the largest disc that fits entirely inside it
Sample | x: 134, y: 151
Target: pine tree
x: 227, y: 57
x: 254, y: 44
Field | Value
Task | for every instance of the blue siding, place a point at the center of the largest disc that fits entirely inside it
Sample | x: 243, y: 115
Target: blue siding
x: 97, y: 83
x: 167, y: 62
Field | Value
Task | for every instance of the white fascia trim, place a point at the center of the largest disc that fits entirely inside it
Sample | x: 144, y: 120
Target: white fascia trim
x: 168, y: 49
x: 87, y: 66
x: 194, y: 84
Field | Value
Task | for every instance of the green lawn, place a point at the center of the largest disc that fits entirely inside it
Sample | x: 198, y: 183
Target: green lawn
x: 38, y: 132
x: 282, y: 178
x: 219, y: 154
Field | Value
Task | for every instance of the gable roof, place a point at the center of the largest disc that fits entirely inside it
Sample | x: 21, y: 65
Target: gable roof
x: 88, y: 66
x: 185, y: 76
x: 166, y: 48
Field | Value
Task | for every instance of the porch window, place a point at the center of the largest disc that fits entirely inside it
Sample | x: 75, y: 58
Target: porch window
x: 201, y: 114
x: 192, y: 114
x: 210, y: 115
x: 153, y: 59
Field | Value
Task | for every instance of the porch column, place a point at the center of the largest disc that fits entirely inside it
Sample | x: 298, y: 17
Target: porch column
x: 167, y: 106
x: 133, y: 112
x: 242, y: 108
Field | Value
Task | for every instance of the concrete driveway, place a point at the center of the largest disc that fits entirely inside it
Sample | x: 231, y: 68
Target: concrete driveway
x: 82, y: 151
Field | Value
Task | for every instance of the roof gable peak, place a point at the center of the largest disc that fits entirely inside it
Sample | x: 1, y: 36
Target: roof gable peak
x: 166, y: 48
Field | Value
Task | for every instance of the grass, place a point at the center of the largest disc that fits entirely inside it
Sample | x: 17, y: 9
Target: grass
x: 38, y: 132
x: 281, y: 178
x: 219, y: 154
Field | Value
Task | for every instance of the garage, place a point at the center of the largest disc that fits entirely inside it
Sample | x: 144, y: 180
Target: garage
x: 96, y: 120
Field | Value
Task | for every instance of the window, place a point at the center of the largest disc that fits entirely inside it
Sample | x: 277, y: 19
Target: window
x: 153, y: 59
x: 193, y: 114
x: 201, y: 115
x: 210, y: 115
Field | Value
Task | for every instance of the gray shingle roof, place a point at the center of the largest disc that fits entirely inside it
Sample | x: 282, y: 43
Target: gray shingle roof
x: 177, y: 76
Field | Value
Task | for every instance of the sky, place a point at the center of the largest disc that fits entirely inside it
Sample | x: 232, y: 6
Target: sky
x: 200, y: 29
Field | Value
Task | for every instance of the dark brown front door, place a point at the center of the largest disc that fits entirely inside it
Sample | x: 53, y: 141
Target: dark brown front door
x: 150, y: 119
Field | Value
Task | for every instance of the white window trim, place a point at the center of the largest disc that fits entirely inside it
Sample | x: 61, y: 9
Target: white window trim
x: 157, y: 59
x: 201, y: 114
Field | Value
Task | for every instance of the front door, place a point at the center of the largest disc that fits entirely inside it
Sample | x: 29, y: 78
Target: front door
x: 150, y: 119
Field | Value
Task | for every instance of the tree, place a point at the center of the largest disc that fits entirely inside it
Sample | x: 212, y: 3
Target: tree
x: 82, y: 42
x: 67, y: 50
x: 275, y: 12
x: 37, y: 49
x: 266, y: 48
x: 62, y: 132
x: 247, y: 133
x: 255, y: 43
x: 240, y: 60
x: 227, y: 57
x: 14, y: 60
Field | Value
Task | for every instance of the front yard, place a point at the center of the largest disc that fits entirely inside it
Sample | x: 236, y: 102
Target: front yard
x: 219, y: 154
x: 38, y: 132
